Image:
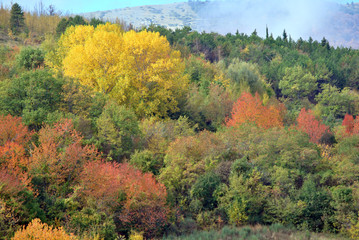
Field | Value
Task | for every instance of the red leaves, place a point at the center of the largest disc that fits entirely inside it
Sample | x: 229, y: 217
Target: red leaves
x: 101, y: 181
x: 250, y: 108
x: 348, y: 123
x: 351, y: 125
x: 10, y: 185
x: 12, y: 130
x: 62, y: 153
x: 113, y: 184
x: 307, y: 123
x: 105, y: 180
x: 60, y: 158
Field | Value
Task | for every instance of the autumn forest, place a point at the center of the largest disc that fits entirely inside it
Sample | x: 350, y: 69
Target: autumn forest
x: 110, y: 132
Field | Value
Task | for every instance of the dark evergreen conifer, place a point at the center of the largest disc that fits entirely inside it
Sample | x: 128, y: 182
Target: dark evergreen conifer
x: 17, y: 19
x: 285, y: 36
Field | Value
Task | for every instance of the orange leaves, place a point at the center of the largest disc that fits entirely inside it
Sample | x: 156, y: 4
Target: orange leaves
x: 250, y: 109
x: 10, y: 185
x: 113, y: 184
x: 14, y: 138
x: 12, y: 129
x: 61, y: 153
x: 145, y: 206
x: 307, y: 123
x: 106, y: 180
x: 101, y: 181
x: 351, y: 125
x: 41, y: 231
x: 348, y: 123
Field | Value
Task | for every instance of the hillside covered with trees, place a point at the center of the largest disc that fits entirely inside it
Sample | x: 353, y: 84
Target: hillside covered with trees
x: 112, y: 133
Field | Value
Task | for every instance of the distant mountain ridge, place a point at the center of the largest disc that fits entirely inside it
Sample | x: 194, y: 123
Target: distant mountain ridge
x: 340, y: 27
x: 176, y: 15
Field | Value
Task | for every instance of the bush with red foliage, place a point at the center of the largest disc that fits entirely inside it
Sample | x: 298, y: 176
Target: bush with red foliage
x: 307, y: 123
x: 348, y: 123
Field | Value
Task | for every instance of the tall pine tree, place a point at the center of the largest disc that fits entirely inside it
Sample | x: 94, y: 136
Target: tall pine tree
x: 17, y: 19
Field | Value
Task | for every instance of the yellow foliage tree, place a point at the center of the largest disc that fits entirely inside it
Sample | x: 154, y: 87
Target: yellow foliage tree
x: 138, y: 69
x: 41, y: 231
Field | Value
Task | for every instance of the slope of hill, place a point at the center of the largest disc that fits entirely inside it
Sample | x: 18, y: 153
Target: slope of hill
x: 171, y: 16
x: 337, y: 23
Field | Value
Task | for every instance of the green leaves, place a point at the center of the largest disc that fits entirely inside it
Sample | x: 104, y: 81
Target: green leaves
x: 30, y: 58
x: 32, y: 95
x: 297, y: 83
x: 117, y: 131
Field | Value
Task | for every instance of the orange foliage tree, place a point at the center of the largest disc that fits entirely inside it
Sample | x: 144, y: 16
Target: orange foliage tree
x: 10, y: 185
x: 307, y: 123
x: 250, y: 109
x: 143, y: 200
x: 14, y: 143
x: 348, y: 123
x: 351, y: 125
x: 60, y: 156
x: 41, y: 231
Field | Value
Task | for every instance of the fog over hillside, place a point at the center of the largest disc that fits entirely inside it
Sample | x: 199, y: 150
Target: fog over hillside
x: 305, y: 18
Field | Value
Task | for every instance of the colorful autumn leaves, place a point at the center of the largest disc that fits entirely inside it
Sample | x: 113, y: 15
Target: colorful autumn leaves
x: 250, y: 109
x: 53, y: 163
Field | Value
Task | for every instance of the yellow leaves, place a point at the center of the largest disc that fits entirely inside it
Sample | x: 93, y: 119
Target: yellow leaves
x: 76, y: 36
x: 41, y: 231
x: 138, y: 69
x: 108, y: 27
x: 96, y: 62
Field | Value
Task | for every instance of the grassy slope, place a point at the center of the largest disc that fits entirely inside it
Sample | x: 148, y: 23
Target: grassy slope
x: 274, y: 232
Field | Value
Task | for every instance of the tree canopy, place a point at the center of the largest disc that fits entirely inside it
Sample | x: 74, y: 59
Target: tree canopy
x: 138, y: 69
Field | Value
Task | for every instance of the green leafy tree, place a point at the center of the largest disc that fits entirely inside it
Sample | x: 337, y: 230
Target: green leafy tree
x: 317, y: 205
x: 117, y: 131
x: 33, y: 96
x: 297, y: 83
x: 245, y: 198
x: 61, y: 26
x: 186, y: 160
x: 334, y: 103
x: 147, y: 161
x: 95, y: 21
x: 204, y: 188
x: 246, y: 77
x: 30, y: 58
x: 74, y: 21
x: 17, y: 19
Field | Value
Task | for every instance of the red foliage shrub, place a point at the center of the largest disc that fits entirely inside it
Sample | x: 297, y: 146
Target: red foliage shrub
x: 307, y: 123
x: 348, y: 123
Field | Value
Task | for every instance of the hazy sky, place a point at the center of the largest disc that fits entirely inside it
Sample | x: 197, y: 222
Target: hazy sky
x: 80, y: 6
